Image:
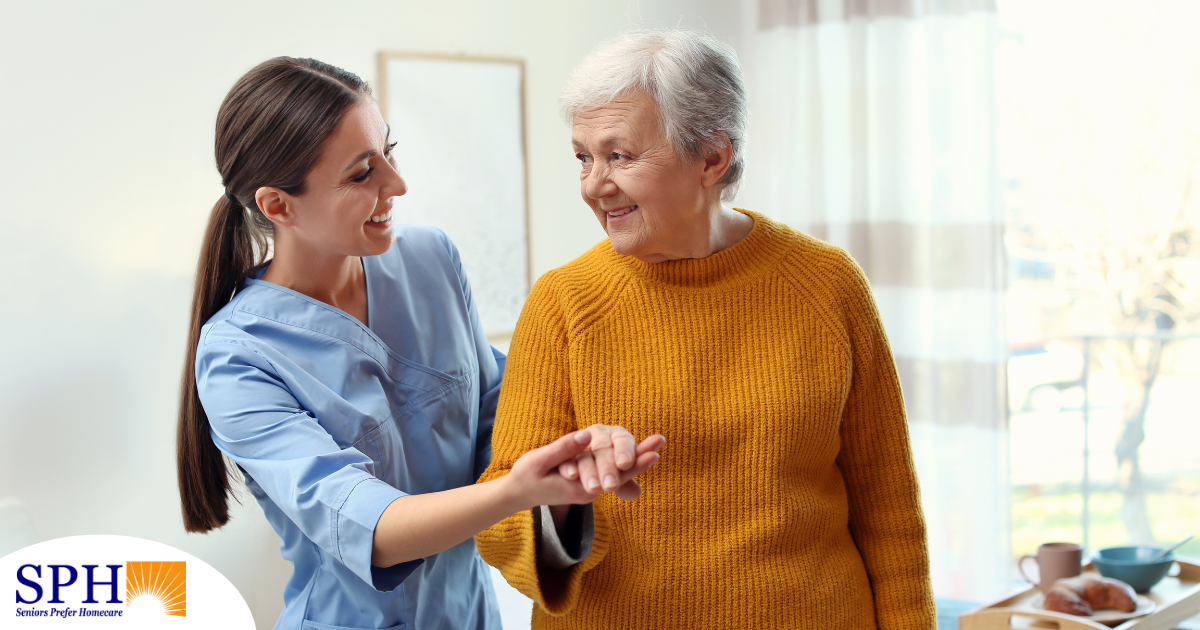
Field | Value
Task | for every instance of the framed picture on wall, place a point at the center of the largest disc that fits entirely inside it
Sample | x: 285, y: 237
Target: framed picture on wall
x: 460, y: 127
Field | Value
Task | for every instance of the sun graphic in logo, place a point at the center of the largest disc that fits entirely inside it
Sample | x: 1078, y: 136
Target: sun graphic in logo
x: 161, y: 583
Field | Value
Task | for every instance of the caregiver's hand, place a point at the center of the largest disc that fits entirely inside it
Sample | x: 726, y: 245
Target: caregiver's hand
x: 644, y: 456
x: 536, y: 478
x: 611, y: 452
x: 420, y: 525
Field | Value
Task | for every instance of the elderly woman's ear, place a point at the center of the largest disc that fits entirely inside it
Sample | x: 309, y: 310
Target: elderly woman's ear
x: 717, y: 159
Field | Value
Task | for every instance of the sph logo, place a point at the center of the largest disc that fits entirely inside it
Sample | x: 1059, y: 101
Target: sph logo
x: 165, y: 582
x: 89, y: 582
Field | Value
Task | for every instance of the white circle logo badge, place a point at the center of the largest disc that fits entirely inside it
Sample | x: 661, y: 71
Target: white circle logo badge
x: 116, y: 582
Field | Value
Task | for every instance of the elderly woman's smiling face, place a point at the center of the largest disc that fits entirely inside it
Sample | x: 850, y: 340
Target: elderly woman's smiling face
x: 653, y: 204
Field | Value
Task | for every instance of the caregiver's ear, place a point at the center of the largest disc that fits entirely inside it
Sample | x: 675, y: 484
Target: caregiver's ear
x: 276, y: 205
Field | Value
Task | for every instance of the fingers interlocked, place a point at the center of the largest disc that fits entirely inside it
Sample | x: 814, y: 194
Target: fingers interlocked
x: 611, y: 461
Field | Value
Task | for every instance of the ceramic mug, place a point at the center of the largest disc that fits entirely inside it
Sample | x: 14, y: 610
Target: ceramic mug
x: 1055, y: 560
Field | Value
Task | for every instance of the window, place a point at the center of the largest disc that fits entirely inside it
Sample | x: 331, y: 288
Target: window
x: 1099, y: 140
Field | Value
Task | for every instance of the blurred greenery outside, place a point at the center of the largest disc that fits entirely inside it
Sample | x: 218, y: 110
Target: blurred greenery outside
x: 1045, y: 514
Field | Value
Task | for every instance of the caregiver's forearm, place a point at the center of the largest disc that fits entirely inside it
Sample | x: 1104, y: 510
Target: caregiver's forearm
x: 420, y: 525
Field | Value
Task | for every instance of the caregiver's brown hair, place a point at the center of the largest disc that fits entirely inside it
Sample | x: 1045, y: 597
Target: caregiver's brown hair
x: 270, y: 130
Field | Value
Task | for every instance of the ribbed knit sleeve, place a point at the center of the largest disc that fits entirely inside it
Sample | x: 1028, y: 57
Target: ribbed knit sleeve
x: 886, y: 520
x: 535, y: 409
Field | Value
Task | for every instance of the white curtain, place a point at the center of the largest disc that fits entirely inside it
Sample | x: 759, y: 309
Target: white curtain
x: 873, y: 127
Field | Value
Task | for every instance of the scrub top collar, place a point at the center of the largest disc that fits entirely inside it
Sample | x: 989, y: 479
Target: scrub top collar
x: 255, y: 279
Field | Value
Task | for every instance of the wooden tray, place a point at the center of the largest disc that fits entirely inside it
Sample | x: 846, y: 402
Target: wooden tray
x: 1178, y: 598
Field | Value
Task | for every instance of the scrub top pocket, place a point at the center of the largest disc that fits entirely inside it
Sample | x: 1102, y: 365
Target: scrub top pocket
x: 429, y: 444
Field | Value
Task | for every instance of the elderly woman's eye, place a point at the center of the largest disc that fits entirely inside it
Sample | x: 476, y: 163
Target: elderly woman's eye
x: 619, y: 156
x: 583, y: 158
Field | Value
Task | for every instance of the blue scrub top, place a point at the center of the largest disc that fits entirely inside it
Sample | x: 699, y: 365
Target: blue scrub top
x: 331, y: 421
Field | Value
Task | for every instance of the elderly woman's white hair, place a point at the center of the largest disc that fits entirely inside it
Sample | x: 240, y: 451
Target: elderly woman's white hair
x: 693, y: 77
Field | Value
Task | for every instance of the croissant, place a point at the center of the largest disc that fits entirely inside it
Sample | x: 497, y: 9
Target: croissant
x: 1081, y: 595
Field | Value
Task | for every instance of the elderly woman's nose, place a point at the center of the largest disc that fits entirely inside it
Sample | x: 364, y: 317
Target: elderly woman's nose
x: 597, y: 184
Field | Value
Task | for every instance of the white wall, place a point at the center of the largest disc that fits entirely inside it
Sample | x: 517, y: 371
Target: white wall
x: 107, y: 177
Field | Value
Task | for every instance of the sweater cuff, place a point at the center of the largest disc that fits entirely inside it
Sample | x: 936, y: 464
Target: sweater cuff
x: 575, y: 544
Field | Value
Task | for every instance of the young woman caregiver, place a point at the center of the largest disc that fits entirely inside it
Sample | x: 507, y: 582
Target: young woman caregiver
x: 348, y: 377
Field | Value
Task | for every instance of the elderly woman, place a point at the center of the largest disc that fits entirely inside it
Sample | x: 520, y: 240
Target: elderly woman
x: 788, y: 497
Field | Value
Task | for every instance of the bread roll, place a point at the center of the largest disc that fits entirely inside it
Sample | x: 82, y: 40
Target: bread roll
x: 1083, y: 595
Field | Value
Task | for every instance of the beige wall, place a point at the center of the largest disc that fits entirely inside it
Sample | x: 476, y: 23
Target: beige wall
x: 106, y: 167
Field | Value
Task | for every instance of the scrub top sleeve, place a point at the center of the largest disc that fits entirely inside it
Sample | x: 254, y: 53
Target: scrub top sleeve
x: 488, y: 399
x: 325, y: 489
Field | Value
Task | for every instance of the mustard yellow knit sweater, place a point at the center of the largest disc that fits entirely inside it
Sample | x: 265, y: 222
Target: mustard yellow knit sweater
x: 786, y: 495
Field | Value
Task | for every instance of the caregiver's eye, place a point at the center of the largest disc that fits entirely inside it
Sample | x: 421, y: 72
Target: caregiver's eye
x: 362, y: 178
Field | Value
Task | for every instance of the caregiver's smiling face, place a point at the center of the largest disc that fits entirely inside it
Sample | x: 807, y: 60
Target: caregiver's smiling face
x: 645, y: 196
x: 346, y: 208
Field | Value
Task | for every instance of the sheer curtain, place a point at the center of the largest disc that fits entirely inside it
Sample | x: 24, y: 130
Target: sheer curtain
x: 872, y: 127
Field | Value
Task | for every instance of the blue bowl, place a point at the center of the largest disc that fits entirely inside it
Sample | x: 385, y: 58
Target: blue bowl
x: 1132, y: 565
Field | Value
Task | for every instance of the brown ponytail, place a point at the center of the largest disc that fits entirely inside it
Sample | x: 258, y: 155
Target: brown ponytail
x: 270, y: 130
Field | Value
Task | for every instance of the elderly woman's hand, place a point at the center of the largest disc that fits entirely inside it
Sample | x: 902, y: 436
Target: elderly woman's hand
x: 612, y: 453
x: 613, y: 456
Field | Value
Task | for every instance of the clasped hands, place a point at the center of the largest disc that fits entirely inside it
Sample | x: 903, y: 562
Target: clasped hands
x: 612, y: 461
x: 577, y: 467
